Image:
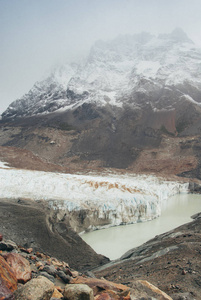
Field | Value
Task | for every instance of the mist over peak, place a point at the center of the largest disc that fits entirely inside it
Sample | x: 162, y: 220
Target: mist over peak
x: 131, y: 92
x: 114, y: 71
x: 46, y: 33
x: 177, y: 35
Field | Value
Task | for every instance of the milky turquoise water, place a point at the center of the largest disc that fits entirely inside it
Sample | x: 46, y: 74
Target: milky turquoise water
x: 115, y: 241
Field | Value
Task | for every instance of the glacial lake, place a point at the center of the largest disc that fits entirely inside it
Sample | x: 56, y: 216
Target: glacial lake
x: 115, y: 241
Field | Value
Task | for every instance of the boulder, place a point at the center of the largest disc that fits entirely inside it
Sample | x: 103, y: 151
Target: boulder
x: 7, y: 245
x: 64, y: 277
x: 78, y: 292
x: 50, y: 270
x: 75, y: 273
x: 103, y: 296
x: 5, y: 293
x: 48, y: 276
x: 110, y: 295
x: 143, y: 288
x: 40, y: 265
x: 67, y: 271
x: 26, y: 250
x: 20, y: 266
x: 7, y: 276
x: 183, y: 296
x: 35, y: 289
x: 57, y: 294
x: 101, y: 285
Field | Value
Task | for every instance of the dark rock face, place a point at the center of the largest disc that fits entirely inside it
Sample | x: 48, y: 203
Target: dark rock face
x: 93, y: 137
x: 31, y: 224
x: 113, y: 138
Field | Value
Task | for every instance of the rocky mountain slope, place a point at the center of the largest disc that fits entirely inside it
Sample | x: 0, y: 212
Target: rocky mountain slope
x: 122, y: 106
x: 135, y: 100
x: 32, y: 224
x: 170, y: 263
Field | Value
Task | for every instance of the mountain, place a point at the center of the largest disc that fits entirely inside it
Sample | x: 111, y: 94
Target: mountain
x: 118, y: 72
x: 45, y: 96
x: 135, y: 103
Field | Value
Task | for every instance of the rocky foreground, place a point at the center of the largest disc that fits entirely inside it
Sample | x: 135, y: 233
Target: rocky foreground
x: 28, y: 275
x: 41, y: 262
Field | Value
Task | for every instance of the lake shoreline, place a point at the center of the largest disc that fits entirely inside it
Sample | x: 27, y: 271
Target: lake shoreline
x: 171, y: 261
x: 104, y: 241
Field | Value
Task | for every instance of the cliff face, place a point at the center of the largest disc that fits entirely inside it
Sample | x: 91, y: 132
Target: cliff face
x: 92, y: 201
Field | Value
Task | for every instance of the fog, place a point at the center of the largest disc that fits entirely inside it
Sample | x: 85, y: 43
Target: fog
x: 36, y: 35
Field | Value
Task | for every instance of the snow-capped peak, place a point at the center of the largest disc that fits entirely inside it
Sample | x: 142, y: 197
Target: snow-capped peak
x: 117, y: 70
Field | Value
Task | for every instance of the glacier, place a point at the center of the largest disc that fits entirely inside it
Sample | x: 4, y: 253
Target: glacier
x: 109, y: 199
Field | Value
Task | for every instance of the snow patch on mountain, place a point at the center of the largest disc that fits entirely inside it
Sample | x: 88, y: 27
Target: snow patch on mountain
x: 150, y: 68
x: 4, y: 165
x: 190, y: 99
x: 119, y: 199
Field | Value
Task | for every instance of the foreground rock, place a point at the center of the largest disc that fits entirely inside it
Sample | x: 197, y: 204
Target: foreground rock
x: 143, y: 288
x: 78, y: 292
x: 36, y: 289
x: 8, y: 281
x: 20, y: 266
x: 7, y: 275
x: 171, y: 261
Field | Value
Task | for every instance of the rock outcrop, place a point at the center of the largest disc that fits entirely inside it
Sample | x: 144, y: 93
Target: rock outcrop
x: 8, y: 280
x: 20, y: 266
x: 36, y: 289
x: 48, y: 282
x: 78, y: 292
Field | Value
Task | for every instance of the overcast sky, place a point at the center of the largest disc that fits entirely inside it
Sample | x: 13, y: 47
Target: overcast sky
x: 38, y: 34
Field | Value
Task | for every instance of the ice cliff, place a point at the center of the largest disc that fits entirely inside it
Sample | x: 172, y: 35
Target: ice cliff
x: 92, y: 201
